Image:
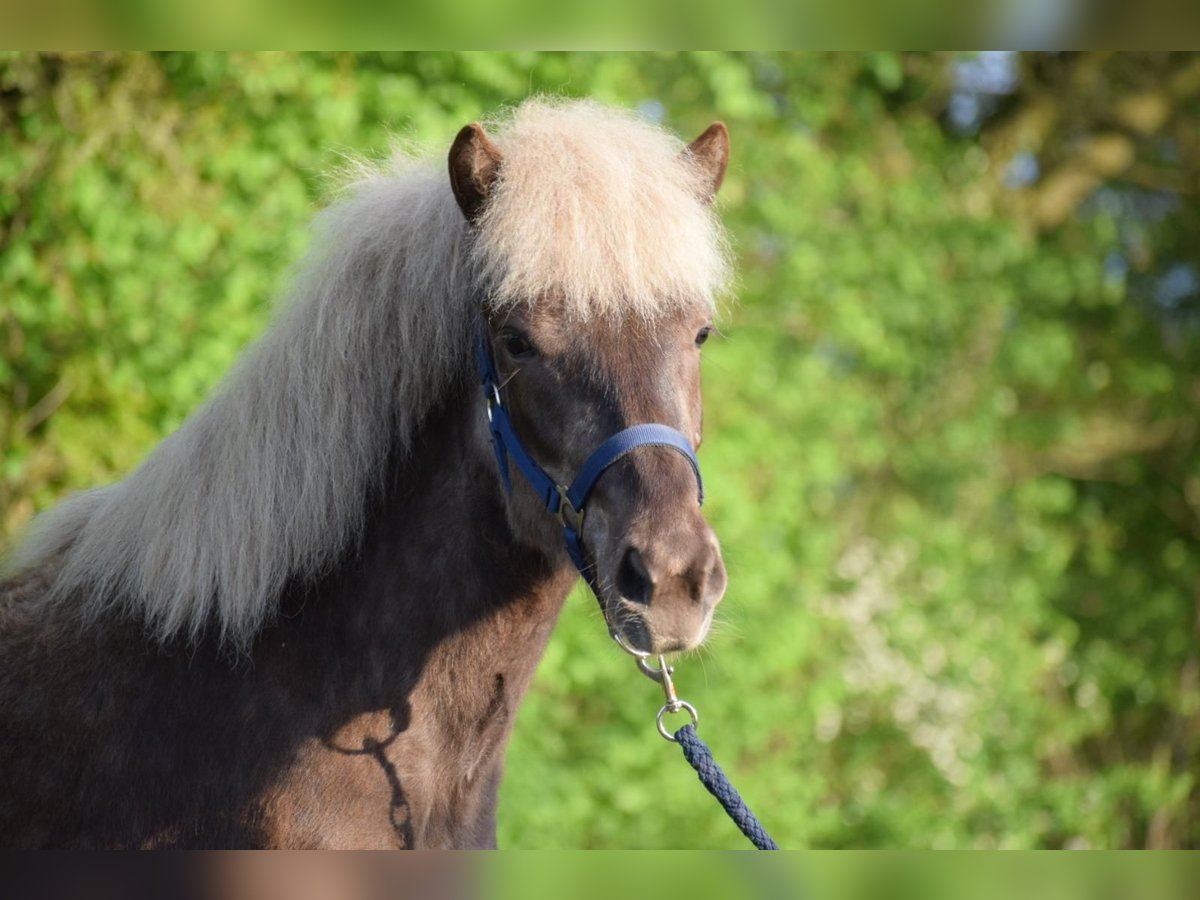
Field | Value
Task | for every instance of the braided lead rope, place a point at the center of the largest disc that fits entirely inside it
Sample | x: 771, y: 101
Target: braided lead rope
x: 696, y: 752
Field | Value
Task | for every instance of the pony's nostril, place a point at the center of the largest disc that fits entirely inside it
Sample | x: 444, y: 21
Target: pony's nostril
x: 715, y: 583
x: 633, y: 579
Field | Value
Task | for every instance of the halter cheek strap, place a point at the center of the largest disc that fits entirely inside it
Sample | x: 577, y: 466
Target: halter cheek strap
x: 567, y: 503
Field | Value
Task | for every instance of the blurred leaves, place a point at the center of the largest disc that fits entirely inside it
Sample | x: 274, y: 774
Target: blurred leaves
x: 952, y: 425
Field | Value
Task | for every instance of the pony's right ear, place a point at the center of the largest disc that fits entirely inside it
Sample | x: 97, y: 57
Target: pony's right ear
x: 474, y: 165
x: 710, y: 153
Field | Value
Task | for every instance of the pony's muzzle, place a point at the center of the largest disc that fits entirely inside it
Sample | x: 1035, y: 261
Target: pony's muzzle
x: 668, y: 589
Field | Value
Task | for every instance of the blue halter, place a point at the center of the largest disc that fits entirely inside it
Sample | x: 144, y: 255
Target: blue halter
x: 567, y: 503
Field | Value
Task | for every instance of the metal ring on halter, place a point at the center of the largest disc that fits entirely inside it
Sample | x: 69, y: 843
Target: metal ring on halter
x: 568, y: 515
x: 640, y: 655
x: 678, y: 706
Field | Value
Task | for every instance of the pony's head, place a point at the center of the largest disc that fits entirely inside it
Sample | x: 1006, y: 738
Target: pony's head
x: 599, y: 256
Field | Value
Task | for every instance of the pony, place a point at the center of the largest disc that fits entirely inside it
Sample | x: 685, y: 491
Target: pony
x: 307, y: 619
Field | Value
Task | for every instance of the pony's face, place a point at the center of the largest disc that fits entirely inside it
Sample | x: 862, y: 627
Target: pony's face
x: 569, y: 386
x: 570, y: 382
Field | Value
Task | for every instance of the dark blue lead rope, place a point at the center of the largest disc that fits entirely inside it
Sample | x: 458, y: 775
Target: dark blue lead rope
x: 696, y: 752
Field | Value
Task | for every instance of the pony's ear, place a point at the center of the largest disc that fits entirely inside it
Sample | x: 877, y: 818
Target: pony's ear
x: 474, y: 164
x: 710, y: 152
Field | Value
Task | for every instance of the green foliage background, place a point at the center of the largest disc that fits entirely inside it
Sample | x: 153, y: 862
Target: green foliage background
x: 952, y: 426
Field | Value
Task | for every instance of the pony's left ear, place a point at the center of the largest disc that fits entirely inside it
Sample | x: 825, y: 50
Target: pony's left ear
x: 710, y: 153
x: 474, y: 165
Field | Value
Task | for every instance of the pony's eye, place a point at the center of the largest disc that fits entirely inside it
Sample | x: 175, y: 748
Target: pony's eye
x: 703, y: 335
x: 517, y: 345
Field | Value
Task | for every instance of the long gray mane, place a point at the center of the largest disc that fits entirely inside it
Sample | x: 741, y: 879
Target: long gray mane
x: 267, y: 480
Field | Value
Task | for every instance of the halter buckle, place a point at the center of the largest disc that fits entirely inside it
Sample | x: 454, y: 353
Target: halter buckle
x: 568, y: 515
x: 491, y: 397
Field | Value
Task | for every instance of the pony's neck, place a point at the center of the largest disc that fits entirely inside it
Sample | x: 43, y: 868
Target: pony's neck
x: 443, y: 612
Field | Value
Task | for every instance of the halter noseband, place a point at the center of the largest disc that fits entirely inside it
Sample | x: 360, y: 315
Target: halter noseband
x: 567, y: 503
